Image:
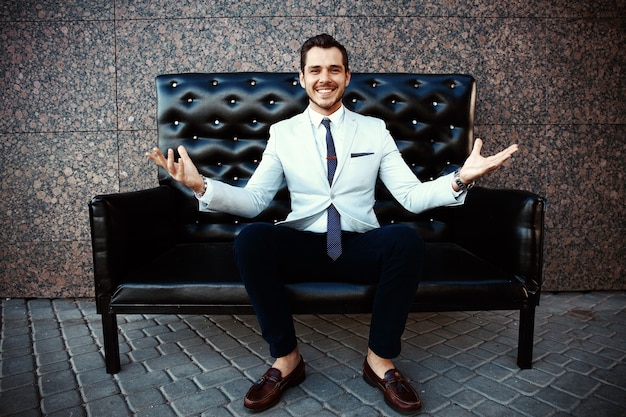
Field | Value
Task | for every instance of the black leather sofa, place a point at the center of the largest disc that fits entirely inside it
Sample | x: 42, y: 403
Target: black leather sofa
x: 154, y: 253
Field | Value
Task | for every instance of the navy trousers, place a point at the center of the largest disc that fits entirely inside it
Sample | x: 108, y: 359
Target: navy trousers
x: 269, y: 256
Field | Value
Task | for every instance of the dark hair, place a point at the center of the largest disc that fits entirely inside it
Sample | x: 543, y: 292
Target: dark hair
x: 323, y: 41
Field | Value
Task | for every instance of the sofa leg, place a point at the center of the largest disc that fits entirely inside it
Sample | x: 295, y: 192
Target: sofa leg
x: 526, y: 338
x: 111, y: 342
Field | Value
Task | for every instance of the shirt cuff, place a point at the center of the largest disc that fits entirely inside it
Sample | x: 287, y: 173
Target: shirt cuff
x: 206, y: 198
x: 455, y: 194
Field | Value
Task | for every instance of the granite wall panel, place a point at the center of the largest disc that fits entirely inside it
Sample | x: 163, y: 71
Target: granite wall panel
x: 77, y: 107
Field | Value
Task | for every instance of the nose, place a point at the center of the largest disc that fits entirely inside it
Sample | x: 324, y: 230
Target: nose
x: 324, y: 76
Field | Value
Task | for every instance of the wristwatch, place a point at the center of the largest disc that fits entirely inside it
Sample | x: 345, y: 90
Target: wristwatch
x: 457, y: 179
x: 203, y: 191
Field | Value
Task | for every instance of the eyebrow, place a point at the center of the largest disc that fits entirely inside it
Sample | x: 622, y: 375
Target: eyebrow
x: 310, y: 67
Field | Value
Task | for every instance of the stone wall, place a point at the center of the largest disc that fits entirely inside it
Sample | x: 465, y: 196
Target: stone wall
x: 77, y: 108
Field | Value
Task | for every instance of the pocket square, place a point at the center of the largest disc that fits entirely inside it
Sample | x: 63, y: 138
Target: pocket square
x: 359, y: 154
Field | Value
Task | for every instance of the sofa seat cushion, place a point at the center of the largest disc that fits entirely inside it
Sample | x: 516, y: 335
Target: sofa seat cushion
x: 203, y: 278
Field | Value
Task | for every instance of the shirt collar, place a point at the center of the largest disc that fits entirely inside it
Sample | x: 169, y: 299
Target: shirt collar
x: 336, y: 118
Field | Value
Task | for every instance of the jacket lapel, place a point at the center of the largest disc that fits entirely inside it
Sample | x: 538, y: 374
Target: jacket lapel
x: 308, y: 148
x: 349, y: 137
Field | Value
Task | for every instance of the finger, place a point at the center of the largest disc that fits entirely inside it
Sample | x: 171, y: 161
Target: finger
x: 503, y: 156
x: 157, y: 157
x: 508, y: 152
x: 171, y: 165
x: 183, y: 152
x: 478, y: 146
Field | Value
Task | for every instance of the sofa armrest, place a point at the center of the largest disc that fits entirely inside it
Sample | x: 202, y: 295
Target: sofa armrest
x: 505, y: 227
x: 126, y: 230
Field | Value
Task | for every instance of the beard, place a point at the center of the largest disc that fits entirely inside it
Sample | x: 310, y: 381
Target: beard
x: 330, y: 103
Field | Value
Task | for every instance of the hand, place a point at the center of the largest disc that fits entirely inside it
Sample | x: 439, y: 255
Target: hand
x: 476, y: 165
x: 183, y: 171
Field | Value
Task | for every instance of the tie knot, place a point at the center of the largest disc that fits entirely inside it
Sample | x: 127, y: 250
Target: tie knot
x: 326, y: 123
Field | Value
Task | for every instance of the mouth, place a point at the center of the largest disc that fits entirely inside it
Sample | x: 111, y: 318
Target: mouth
x: 325, y: 91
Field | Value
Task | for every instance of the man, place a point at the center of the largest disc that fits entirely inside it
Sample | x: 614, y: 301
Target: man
x: 331, y: 159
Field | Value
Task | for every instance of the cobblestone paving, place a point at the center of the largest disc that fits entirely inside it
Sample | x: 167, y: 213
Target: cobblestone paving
x: 462, y: 363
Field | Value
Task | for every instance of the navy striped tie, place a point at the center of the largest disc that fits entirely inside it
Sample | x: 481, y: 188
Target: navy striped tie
x: 333, y: 231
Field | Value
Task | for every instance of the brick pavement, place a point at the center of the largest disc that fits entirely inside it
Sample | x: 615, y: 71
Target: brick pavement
x: 462, y: 363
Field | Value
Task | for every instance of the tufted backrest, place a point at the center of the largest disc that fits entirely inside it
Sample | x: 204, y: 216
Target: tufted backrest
x: 223, y: 120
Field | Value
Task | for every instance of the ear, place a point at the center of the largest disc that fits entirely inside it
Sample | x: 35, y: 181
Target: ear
x: 302, y: 83
x: 348, y: 76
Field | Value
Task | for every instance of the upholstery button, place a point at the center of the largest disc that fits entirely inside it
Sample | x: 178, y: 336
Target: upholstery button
x: 254, y: 121
x: 189, y: 100
x: 414, y: 121
x: 272, y: 102
x: 374, y: 84
x: 174, y: 84
x: 354, y: 100
x: 452, y: 127
x: 216, y: 122
x: 416, y: 85
x: 176, y: 122
x: 452, y: 84
x: 235, y: 139
x: 252, y: 83
x: 393, y: 101
x: 233, y: 101
x: 294, y: 83
x: 235, y: 178
x: 214, y: 83
x: 195, y: 137
x: 431, y: 178
x: 435, y: 104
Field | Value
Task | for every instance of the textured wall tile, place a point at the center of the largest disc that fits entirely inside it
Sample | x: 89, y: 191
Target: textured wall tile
x: 585, y: 8
x: 56, y: 10
x: 586, y: 179
x: 46, y: 269
x: 57, y: 76
x: 48, y: 180
x: 212, y: 45
x: 137, y: 172
x: 550, y: 76
x: 357, y: 8
x: 505, y: 9
x: 527, y: 169
x: 585, y: 259
x: 492, y: 50
x: 475, y: 8
x: 165, y: 9
x: 586, y: 61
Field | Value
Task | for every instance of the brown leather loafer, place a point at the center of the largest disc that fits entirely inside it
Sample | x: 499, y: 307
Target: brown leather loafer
x: 266, y: 392
x: 399, y: 394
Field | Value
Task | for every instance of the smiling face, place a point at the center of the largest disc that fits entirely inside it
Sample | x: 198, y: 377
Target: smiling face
x: 325, y: 79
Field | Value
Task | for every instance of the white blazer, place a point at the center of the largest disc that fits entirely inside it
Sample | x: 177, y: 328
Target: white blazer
x: 368, y: 152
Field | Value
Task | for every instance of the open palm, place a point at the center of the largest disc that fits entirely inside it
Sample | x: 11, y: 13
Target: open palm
x: 476, y: 165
